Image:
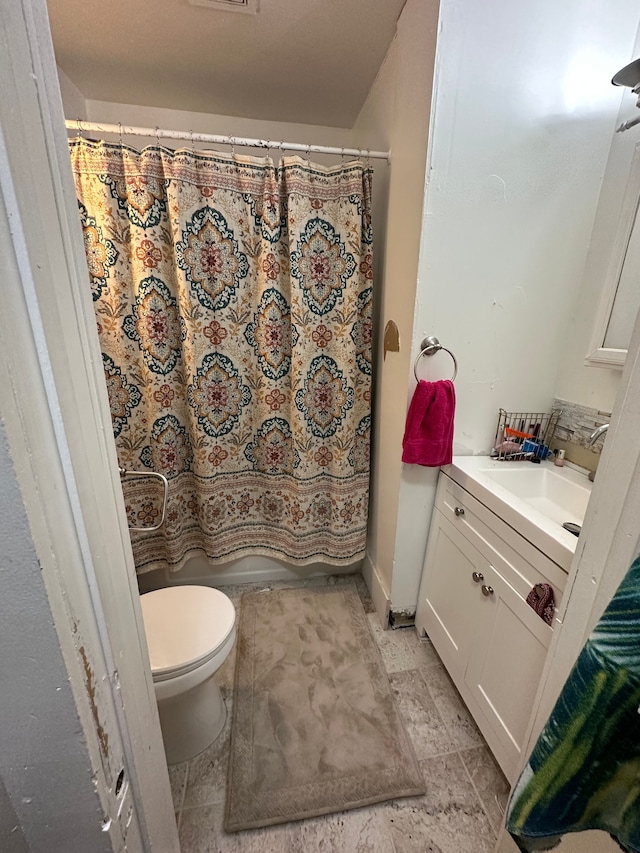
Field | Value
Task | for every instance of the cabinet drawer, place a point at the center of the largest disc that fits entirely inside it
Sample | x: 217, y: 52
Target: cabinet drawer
x: 520, y: 563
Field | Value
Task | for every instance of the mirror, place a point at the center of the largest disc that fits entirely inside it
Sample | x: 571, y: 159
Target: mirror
x: 621, y: 292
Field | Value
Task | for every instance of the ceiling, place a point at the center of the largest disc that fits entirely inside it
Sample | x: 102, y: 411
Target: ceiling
x: 307, y: 61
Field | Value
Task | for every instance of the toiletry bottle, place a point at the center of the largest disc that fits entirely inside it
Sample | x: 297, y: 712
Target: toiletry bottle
x: 559, y: 460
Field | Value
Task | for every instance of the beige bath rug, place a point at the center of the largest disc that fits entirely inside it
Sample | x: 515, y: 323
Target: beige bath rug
x: 315, y: 728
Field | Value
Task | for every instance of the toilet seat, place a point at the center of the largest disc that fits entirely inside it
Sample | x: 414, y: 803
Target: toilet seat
x: 186, y: 626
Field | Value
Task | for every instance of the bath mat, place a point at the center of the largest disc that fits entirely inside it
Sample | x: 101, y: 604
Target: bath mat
x: 315, y: 728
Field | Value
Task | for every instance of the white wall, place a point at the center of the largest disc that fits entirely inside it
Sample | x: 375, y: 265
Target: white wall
x: 596, y: 386
x: 131, y: 114
x: 396, y: 115
x: 74, y: 102
x: 523, y: 117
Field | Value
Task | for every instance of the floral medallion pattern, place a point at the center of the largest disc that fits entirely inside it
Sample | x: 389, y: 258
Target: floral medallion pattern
x: 155, y: 325
x: 272, y: 450
x: 217, y: 395
x: 233, y: 300
x: 322, y: 265
x: 101, y: 253
x: 362, y: 332
x: 272, y: 335
x: 325, y: 397
x: 141, y: 197
x: 123, y: 397
x: 149, y: 254
x: 269, y: 214
x: 170, y: 451
x: 211, y: 259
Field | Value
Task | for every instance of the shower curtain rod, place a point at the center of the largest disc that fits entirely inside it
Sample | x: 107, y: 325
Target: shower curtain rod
x: 246, y: 142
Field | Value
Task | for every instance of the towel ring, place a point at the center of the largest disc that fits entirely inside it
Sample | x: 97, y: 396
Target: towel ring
x: 430, y: 346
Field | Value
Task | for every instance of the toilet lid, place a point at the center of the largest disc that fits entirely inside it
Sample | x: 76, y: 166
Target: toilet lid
x: 185, y: 625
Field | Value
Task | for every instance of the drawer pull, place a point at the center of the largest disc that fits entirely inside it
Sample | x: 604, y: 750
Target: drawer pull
x: 487, y: 590
x: 478, y: 577
x: 459, y: 510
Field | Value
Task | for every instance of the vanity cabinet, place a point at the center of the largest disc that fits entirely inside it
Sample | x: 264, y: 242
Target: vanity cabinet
x: 477, y: 575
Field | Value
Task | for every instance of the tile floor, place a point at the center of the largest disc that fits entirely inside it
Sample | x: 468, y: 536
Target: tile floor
x: 466, y: 794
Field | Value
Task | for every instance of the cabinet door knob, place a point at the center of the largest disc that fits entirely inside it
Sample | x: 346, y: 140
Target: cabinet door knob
x: 459, y: 510
x: 478, y: 577
x: 487, y: 590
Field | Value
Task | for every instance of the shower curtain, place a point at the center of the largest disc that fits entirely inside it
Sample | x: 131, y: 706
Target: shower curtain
x: 233, y: 301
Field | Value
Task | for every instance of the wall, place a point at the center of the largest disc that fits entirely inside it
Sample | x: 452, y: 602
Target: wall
x: 396, y: 115
x: 47, y: 797
x: 523, y: 117
x: 103, y: 111
x: 596, y: 386
x: 75, y: 105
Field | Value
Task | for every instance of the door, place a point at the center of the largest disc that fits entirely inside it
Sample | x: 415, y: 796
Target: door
x: 450, y: 600
x: 505, y: 665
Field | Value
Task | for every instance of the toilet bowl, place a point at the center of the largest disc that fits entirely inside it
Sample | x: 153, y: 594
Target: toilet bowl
x: 190, y: 633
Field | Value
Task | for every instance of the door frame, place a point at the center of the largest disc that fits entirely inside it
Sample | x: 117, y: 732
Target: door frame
x: 54, y: 403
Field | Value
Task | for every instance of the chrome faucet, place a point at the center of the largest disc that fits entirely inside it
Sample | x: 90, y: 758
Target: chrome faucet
x: 595, y: 435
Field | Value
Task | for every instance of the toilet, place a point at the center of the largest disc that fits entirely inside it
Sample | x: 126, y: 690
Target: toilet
x: 190, y: 633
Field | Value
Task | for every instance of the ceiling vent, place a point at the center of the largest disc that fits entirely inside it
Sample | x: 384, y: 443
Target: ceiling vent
x: 249, y: 7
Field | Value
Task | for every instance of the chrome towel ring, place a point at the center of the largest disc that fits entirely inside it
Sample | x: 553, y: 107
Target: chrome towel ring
x: 165, y: 496
x: 430, y: 346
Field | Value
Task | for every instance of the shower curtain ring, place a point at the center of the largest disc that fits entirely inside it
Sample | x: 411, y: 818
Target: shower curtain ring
x: 232, y: 142
x: 193, y: 147
x: 80, y: 129
x: 120, y: 133
x: 158, y: 135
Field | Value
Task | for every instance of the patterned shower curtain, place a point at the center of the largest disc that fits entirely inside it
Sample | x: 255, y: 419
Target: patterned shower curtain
x: 233, y: 301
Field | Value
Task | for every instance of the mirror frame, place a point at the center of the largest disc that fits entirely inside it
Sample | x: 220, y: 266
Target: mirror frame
x: 599, y: 355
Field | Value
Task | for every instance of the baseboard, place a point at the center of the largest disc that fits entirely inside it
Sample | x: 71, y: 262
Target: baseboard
x: 379, y: 595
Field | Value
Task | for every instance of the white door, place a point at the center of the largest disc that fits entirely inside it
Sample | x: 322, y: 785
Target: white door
x: 450, y: 601
x: 505, y: 665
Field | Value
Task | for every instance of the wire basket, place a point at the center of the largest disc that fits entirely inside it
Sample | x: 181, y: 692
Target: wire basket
x: 524, y: 435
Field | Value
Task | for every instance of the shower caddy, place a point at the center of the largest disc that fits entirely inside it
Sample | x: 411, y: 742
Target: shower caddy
x: 524, y: 435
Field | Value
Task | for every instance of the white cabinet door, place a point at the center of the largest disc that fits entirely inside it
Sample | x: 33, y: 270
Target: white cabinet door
x: 505, y: 665
x: 450, y: 608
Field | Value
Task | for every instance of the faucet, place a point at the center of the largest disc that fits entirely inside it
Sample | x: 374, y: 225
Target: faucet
x: 595, y: 435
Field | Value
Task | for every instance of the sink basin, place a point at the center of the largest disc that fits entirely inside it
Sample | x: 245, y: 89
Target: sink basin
x: 536, y: 500
x: 550, y: 492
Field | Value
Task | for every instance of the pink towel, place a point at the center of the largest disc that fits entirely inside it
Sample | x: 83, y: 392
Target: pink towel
x: 428, y: 434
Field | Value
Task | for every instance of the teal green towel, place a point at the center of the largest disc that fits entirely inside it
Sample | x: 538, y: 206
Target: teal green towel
x: 584, y: 771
